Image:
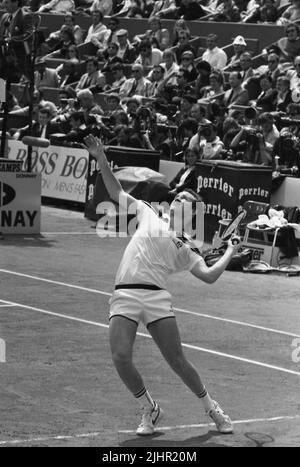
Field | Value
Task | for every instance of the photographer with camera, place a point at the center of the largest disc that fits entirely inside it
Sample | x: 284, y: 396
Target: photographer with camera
x: 207, y: 142
x: 250, y: 147
x: 286, y: 158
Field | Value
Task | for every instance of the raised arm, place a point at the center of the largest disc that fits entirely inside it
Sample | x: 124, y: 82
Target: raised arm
x: 113, y: 186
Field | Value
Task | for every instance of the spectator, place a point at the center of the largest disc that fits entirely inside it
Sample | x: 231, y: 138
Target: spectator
x: 250, y: 145
x: 68, y: 73
x: 159, y: 37
x: 215, y: 56
x: 198, y: 113
x: 44, y: 76
x: 180, y: 25
x: 98, y: 32
x: 93, y: 78
x: 207, y: 142
x: 72, y: 53
x: 78, y: 129
x: 186, y: 130
x: 268, y: 96
x: 138, y: 85
x: 164, y: 9
x: 289, y: 46
x: 284, y: 95
x: 203, y: 70
x: 112, y: 24
x: 236, y: 95
x: 66, y: 107
x: 183, y: 45
x: 239, y: 47
x: 187, y: 63
x: 126, y: 136
x: 186, y: 103
x: 190, y: 10
x: 293, y: 112
x: 294, y: 74
x: 58, y: 6
x: 287, y: 149
x: 43, y: 128
x: 170, y: 66
x: 291, y: 14
x: 118, y: 76
x: 55, y: 39
x: 60, y: 48
x: 157, y: 84
x: 126, y: 52
x: 148, y: 56
x: 228, y: 11
x: 186, y: 177
x: 87, y: 104
x: 113, y: 104
x: 215, y: 88
x: 105, y: 6
x: 247, y: 71
x: 111, y: 55
x: 273, y: 68
x: 269, y: 130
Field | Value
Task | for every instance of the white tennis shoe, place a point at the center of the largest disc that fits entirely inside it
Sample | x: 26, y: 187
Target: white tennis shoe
x: 150, y: 418
x: 223, y: 423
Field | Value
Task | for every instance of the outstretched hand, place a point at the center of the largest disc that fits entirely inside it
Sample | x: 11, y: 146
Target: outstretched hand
x: 94, y: 146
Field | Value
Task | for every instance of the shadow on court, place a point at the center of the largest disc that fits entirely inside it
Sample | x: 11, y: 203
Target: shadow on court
x: 207, y: 440
x: 38, y: 241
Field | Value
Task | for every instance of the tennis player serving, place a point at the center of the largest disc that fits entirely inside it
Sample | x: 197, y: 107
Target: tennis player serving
x: 154, y: 252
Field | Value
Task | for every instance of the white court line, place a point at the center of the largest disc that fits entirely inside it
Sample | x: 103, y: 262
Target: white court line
x: 189, y: 346
x: 165, y: 428
x: 181, y: 310
x: 6, y: 306
x: 68, y: 233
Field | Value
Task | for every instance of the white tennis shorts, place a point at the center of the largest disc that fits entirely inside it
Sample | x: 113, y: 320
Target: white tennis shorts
x: 142, y: 305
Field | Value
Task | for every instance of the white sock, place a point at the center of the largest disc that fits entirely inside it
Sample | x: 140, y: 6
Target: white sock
x: 144, y: 398
x: 206, y: 400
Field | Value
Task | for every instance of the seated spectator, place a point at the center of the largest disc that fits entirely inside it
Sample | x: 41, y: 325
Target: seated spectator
x: 287, y: 149
x: 77, y: 132
x: 111, y: 57
x: 289, y: 46
x: 112, y: 26
x: 66, y: 107
x: 207, y: 142
x: 93, y: 79
x: 183, y: 44
x: 187, y: 63
x: 113, y: 104
x: 72, y: 53
x: 228, y: 11
x: 105, y: 6
x: 294, y: 74
x: 180, y: 25
x: 126, y: 136
x: 291, y: 14
x: 57, y: 46
x: 159, y: 37
x: 198, y: 113
x: 284, y: 95
x: 148, y: 56
x: 273, y: 68
x: 293, y: 113
x: 190, y: 10
x: 236, y: 95
x: 268, y: 96
x: 269, y: 130
x: 186, y: 130
x: 44, y: 76
x: 215, y: 56
x: 157, y: 81
x: 88, y: 105
x: 185, y: 106
x: 181, y: 87
x: 126, y: 51
x: 204, y: 70
x: 58, y: 7
x: 215, y: 88
x: 164, y: 9
x: 186, y: 177
x: 263, y: 11
x: 68, y: 73
x: 42, y: 128
x: 98, y: 32
x: 119, y: 78
x: 137, y: 85
x: 230, y: 129
x: 247, y: 71
x: 249, y: 144
x: 38, y: 103
x: 170, y: 66
x: 56, y: 39
x: 239, y: 46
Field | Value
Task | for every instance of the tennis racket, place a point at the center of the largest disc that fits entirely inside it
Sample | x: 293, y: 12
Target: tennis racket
x: 230, y: 231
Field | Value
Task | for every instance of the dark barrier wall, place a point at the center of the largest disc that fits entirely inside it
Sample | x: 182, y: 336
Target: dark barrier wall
x: 225, y: 186
x: 117, y: 157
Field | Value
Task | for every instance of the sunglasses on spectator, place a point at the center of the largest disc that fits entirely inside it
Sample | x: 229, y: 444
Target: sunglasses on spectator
x: 291, y: 31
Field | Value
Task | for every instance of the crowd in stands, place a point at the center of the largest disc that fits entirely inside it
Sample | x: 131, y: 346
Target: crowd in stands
x: 160, y: 90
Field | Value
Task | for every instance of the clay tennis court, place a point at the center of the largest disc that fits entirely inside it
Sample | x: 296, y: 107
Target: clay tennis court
x: 58, y: 385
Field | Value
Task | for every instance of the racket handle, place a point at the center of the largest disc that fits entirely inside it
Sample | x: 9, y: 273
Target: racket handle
x: 235, y: 240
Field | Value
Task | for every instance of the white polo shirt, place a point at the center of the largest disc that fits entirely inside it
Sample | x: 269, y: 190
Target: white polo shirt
x: 154, y: 252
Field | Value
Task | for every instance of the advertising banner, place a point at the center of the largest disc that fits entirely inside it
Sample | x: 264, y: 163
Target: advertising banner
x: 63, y: 170
x: 20, y: 203
x: 226, y: 185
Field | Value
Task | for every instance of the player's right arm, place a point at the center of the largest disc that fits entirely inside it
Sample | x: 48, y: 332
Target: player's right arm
x: 113, y: 186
